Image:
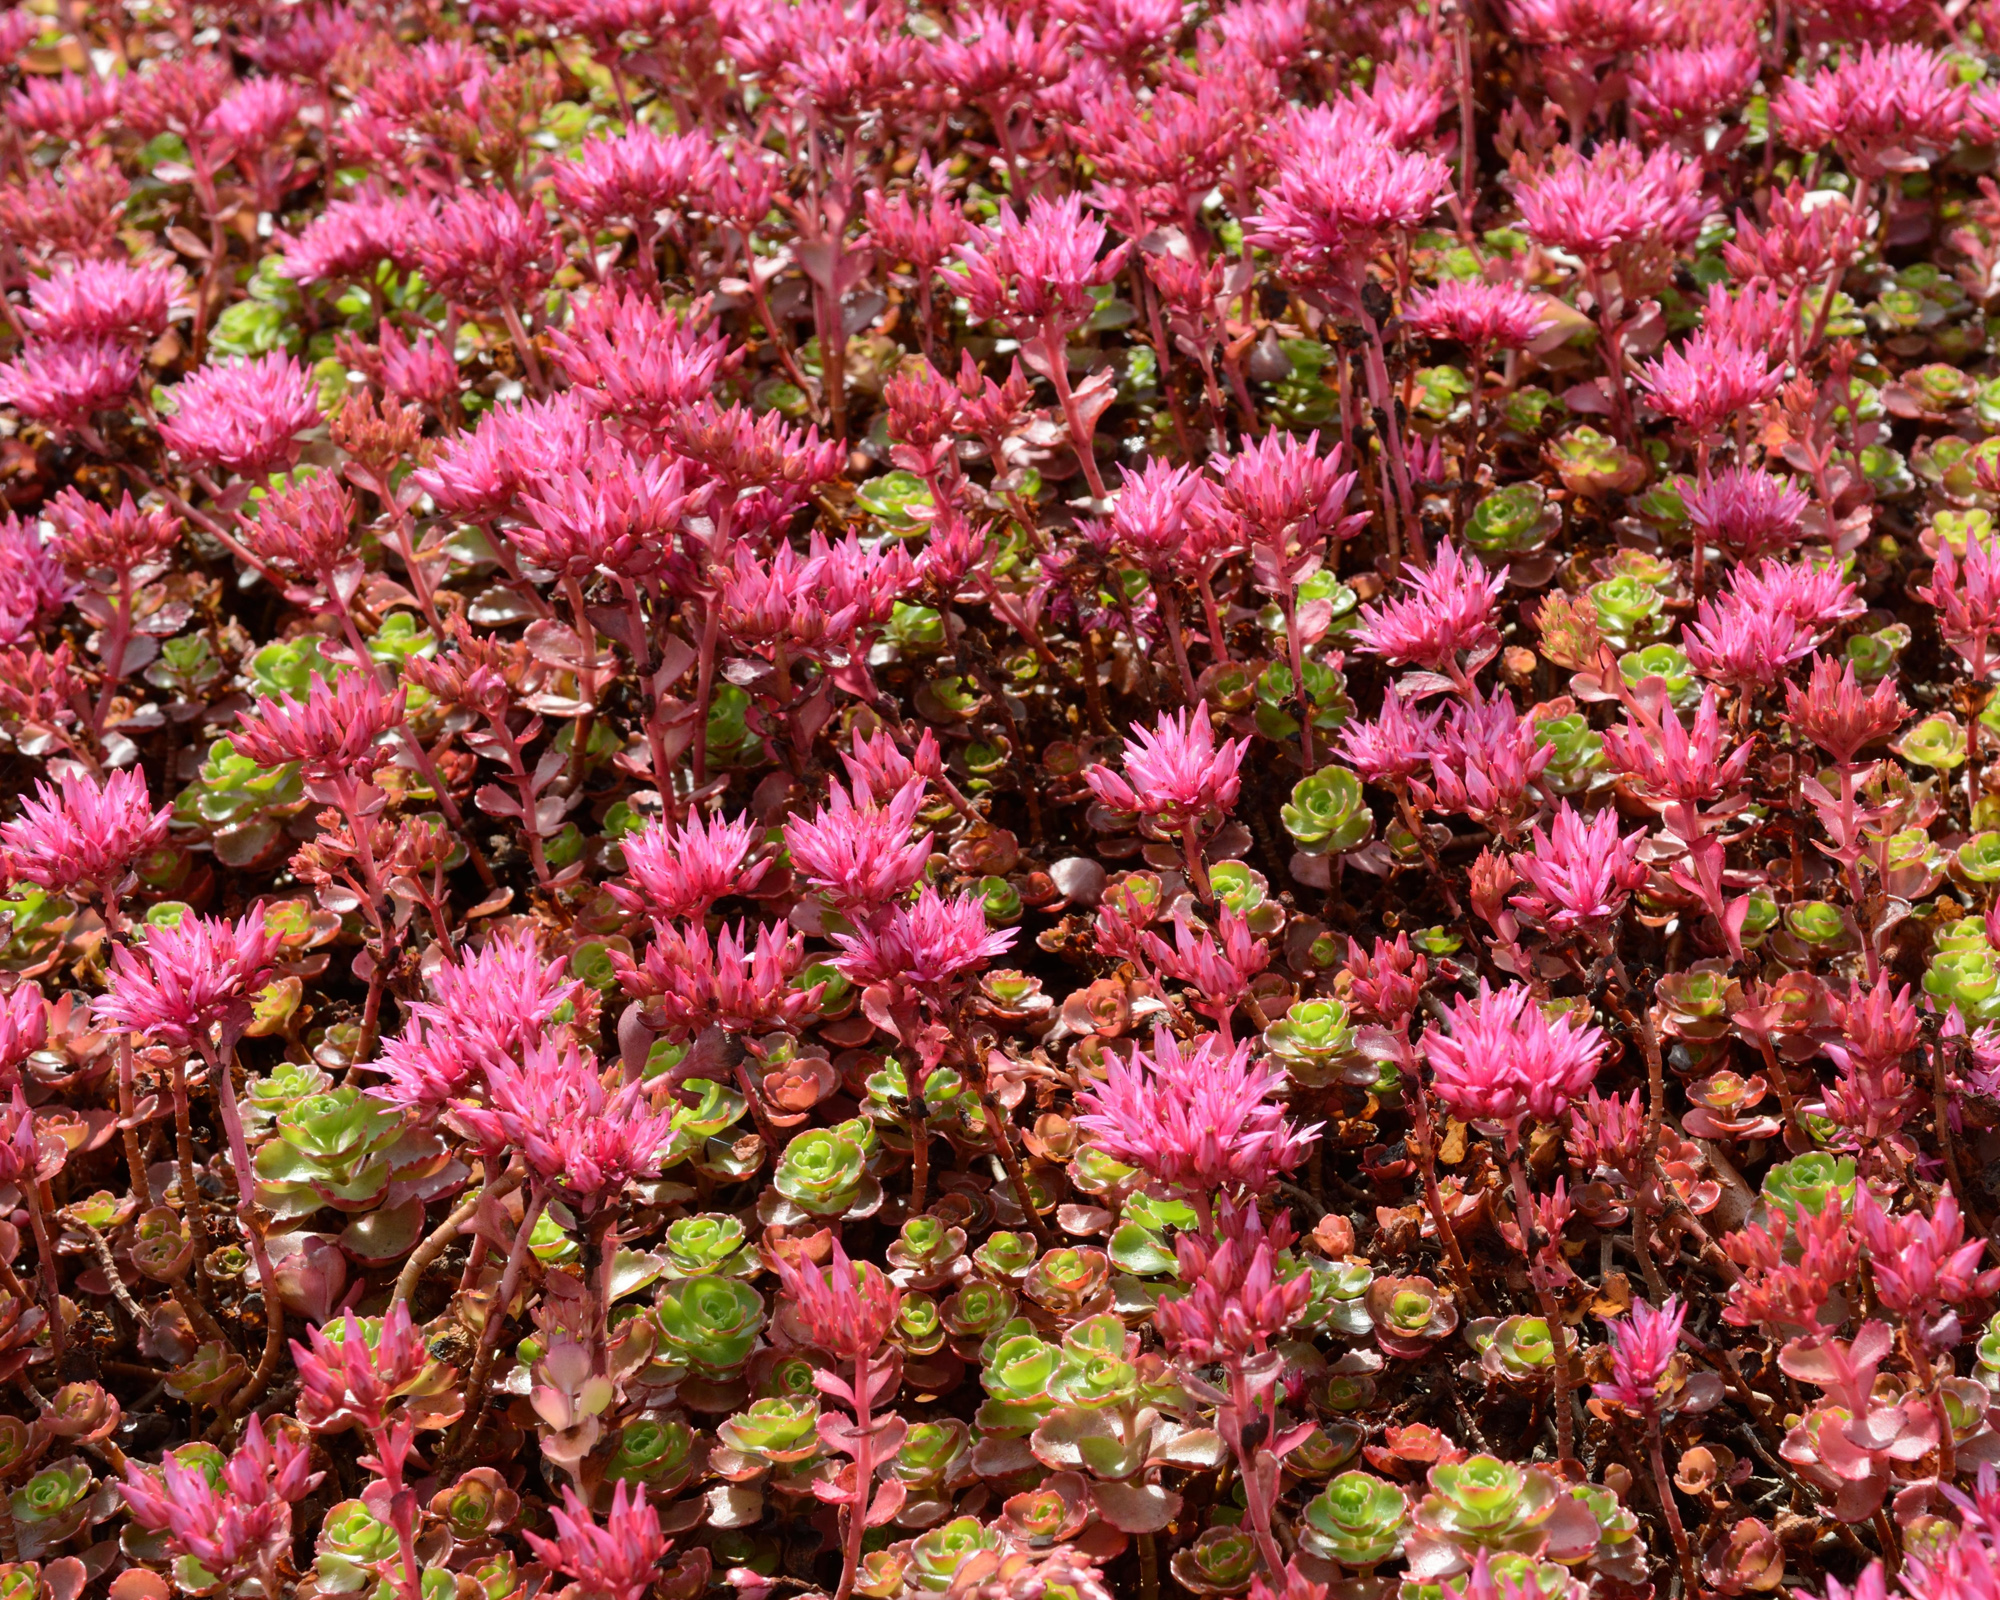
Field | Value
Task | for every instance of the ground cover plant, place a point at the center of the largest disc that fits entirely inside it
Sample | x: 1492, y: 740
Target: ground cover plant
x: 1074, y: 798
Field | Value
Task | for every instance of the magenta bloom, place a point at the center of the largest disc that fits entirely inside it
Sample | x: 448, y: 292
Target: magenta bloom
x: 1966, y: 591
x: 24, y: 1027
x: 682, y: 871
x: 244, y: 416
x: 1682, y: 766
x: 1642, y: 1349
x: 238, y: 1526
x: 619, y: 1561
x: 333, y: 732
x: 571, y: 1130
x: 927, y: 944
x: 1485, y: 761
x: 89, y: 537
x: 1393, y: 748
x: 1620, y: 197
x: 350, y: 238
x: 1748, y: 512
x: 1175, y: 772
x: 83, y: 834
x: 743, y: 984
x: 1815, y: 594
x: 1481, y: 316
x: 1199, y: 1120
x: 1709, y: 380
x: 1502, y: 1061
x: 607, y: 509
x: 33, y: 588
x: 1679, y: 93
x: 1579, y: 874
x: 860, y: 856
x: 1834, y: 713
x: 1885, y: 109
x: 485, y: 248
x: 847, y: 1307
x: 182, y: 980
x: 633, y: 175
x: 1923, y: 1267
x: 105, y: 300
x: 1333, y: 202
x: 1036, y: 273
x: 64, y: 383
x: 1163, y: 518
x: 1446, y: 612
x: 1239, y: 1298
x: 1744, y: 646
x: 349, y: 1382
x: 1279, y: 491
x: 478, y: 473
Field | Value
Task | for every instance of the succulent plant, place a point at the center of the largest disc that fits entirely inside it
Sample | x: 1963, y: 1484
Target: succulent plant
x: 1314, y: 1040
x: 341, y: 1149
x: 1357, y: 1520
x: 707, y: 1245
x: 936, y: 1556
x: 710, y: 1324
x: 1514, y: 520
x: 824, y: 1171
x: 1222, y: 1560
x: 1810, y: 1182
x: 1326, y: 813
x: 1410, y: 1315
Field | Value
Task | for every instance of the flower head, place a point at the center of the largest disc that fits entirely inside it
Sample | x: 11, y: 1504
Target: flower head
x: 1743, y: 646
x: 351, y: 1381
x: 682, y: 871
x: 1446, y: 612
x: 1579, y: 874
x: 570, y: 1129
x: 1709, y: 380
x: 1966, y: 592
x: 619, y: 1561
x: 236, y: 1526
x: 350, y: 238
x: 333, y: 731
x: 1481, y: 316
x: 1199, y: 1119
x: 244, y: 415
x: 90, y: 537
x: 1484, y: 762
x: 1885, y: 108
x: 81, y: 833
x: 690, y: 982
x: 1816, y: 595
x: 1502, y: 1061
x: 486, y: 248
x: 1642, y: 1349
x: 1239, y: 1297
x: 929, y: 944
x: 1334, y: 200
x: 64, y: 383
x: 1679, y: 92
x: 24, y: 1028
x: 1159, y: 519
x: 859, y: 853
x: 1395, y: 746
x: 33, y: 587
x: 847, y: 1307
x: 1747, y: 511
x: 1619, y: 198
x: 1037, y: 271
x: 187, y: 977
x: 1174, y: 771
x: 1834, y: 713
x: 105, y: 300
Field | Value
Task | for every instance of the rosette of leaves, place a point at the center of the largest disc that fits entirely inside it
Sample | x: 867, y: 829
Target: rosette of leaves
x: 976, y: 1311
x: 478, y: 1504
x: 1593, y: 467
x: 779, y: 1431
x: 1357, y: 1520
x: 1340, y: 1296
x: 919, y: 1327
x: 1987, y: 1355
x: 1222, y: 1560
x: 1577, y: 763
x: 1327, y: 813
x: 1246, y: 891
x: 214, y: 1370
x: 51, y: 1506
x: 1937, y: 742
x: 1485, y: 1503
x: 709, y: 1324
x: 341, y: 1149
x: 716, y: 1109
x: 1070, y: 1282
x: 1667, y: 663
x: 1314, y: 1041
x: 1810, y: 1182
x: 1139, y: 1246
x: 1410, y: 1315
x: 280, y: 1091
x: 1016, y: 1373
x: 1964, y: 970
x: 824, y: 1172
x: 1515, y: 520
x: 948, y: 1108
x: 1277, y: 701
x: 928, y: 1253
x: 709, y: 1245
x: 934, y: 1460
x: 654, y: 1451
x: 1006, y: 1255
x: 1621, y: 1550
x: 162, y: 1246
x: 1698, y: 1001
x: 238, y: 806
x: 353, y: 1543
x: 1629, y: 611
x: 1515, y: 1350
x: 935, y: 1556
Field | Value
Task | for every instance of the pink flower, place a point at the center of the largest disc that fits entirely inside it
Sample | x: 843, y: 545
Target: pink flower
x: 1966, y: 592
x: 33, y: 588
x: 245, y: 416
x: 1743, y: 646
x: 1175, y: 772
x: 500, y: 997
x: 847, y: 1307
x: 105, y: 300
x: 1279, y: 491
x: 1680, y: 766
x: 86, y: 834
x: 632, y: 358
x: 927, y: 945
x: 1618, y: 198
x: 1816, y: 594
x: 1709, y: 380
x: 485, y: 248
x: 1446, y: 612
x: 24, y: 1029
x: 423, y: 371
x: 1389, y: 982
x: 1502, y: 1061
x: 64, y: 383
x: 919, y: 226
x: 235, y: 1527
x: 478, y: 474
x: 633, y: 175
x: 93, y: 538
x: 1239, y: 1296
x: 1393, y: 748
x: 1886, y: 109
x: 1480, y: 316
x: 182, y: 980
x: 351, y: 1381
x: 333, y: 732
x: 254, y: 115
x: 1642, y: 1350
x: 1219, y: 970
x: 1758, y: 316
x: 860, y: 855
x: 306, y: 529
x: 1834, y: 713
x: 682, y: 871
x: 619, y: 1561
x: 743, y: 449
x: 1162, y: 518
x: 1747, y: 511
x: 568, y: 1127
x: 609, y: 509
x: 1878, y: 1032
x: 1333, y: 203
x: 1579, y: 874
x: 877, y: 767
x: 1796, y: 245
x: 1681, y: 92
x: 744, y: 985
x: 350, y: 238
x: 1923, y: 1267
x: 70, y: 108
x: 1035, y: 274
x: 1608, y: 27
x: 1199, y: 1120
x: 1484, y: 763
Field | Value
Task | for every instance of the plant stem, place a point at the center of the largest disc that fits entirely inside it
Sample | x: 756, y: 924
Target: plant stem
x: 1524, y: 1211
x: 1664, y: 1485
